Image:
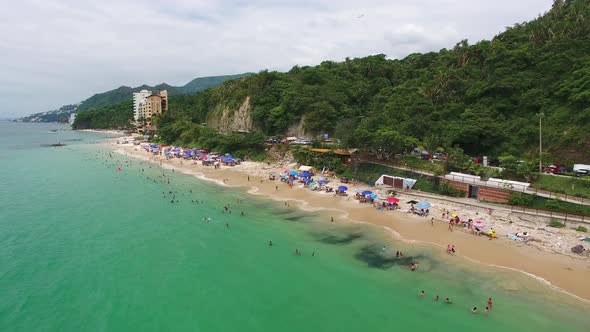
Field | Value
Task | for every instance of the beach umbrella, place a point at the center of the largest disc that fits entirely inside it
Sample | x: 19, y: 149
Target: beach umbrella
x: 366, y: 192
x: 313, y: 184
x: 320, y: 178
x: 359, y: 191
x: 342, y: 188
x: 392, y: 200
x: 479, y: 224
x: 373, y: 196
x: 293, y: 173
x: 423, y: 205
x: 453, y: 215
x: 322, y: 182
x: 305, y: 174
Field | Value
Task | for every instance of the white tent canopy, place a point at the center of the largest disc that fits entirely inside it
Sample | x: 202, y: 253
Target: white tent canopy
x: 304, y: 168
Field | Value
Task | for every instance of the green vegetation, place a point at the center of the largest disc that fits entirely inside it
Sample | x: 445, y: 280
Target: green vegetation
x: 116, y: 116
x: 559, y: 206
x: 482, y: 98
x: 520, y: 199
x: 581, y: 229
x: 114, y: 109
x: 124, y: 93
x: 446, y: 189
x: 246, y: 145
x: 566, y: 185
x: 556, y: 223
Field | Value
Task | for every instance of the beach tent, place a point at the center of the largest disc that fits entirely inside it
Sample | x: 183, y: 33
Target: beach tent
x: 423, y: 205
x: 342, y: 188
x: 313, y: 184
x: 304, y: 168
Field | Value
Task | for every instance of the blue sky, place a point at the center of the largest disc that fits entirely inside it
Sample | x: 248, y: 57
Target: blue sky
x: 55, y: 52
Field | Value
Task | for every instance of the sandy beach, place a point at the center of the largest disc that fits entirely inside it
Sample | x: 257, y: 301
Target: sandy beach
x: 546, y: 259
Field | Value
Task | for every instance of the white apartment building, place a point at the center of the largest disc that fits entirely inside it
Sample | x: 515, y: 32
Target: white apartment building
x: 139, y: 100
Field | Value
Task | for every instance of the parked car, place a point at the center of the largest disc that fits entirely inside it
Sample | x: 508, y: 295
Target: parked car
x: 439, y: 156
x: 583, y: 172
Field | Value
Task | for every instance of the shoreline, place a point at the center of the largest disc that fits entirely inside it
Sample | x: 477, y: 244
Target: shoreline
x: 562, y: 273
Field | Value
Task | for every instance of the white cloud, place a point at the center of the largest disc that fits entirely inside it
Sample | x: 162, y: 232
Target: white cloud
x: 54, y: 52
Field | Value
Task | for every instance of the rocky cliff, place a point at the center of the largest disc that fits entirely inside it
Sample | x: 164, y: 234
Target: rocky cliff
x: 229, y: 120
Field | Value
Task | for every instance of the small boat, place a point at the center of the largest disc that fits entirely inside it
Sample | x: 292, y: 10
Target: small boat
x: 53, y: 131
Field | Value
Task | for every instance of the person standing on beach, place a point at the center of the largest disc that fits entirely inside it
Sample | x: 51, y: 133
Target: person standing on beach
x: 450, y: 225
x: 432, y: 221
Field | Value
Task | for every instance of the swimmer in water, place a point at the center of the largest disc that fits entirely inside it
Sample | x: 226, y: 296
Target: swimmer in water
x: 270, y: 243
x: 487, y: 310
x: 447, y: 301
x: 490, y: 303
x: 474, y: 310
x: 436, y: 298
x: 297, y: 252
x: 421, y: 293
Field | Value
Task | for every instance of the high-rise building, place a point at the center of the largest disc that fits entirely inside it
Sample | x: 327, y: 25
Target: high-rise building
x: 139, y: 100
x: 146, y: 104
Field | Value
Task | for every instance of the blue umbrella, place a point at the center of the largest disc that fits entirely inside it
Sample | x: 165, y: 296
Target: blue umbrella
x: 423, y: 205
x: 293, y: 173
x: 305, y: 174
x: 373, y: 196
x: 322, y: 181
x: 366, y: 192
x: 343, y: 188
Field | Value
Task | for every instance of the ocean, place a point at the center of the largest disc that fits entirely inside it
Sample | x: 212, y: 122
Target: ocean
x: 85, y: 247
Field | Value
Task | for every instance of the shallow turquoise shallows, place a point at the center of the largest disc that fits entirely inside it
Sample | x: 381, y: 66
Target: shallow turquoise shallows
x: 86, y: 248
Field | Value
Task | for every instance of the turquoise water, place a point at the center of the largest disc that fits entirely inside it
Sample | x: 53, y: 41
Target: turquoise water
x: 86, y: 248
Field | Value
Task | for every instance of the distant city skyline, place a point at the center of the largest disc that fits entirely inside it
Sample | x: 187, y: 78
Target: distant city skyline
x: 58, y: 52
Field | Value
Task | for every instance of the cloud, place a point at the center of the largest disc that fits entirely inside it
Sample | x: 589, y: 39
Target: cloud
x: 55, y: 52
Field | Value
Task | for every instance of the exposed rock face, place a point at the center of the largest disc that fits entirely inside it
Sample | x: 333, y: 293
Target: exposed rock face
x: 228, y: 120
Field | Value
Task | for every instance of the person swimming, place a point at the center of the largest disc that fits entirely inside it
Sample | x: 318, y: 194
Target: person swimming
x: 447, y: 301
x: 436, y: 298
x: 270, y: 243
x: 490, y: 303
x: 474, y: 310
x: 487, y: 310
x: 297, y: 252
x: 421, y: 293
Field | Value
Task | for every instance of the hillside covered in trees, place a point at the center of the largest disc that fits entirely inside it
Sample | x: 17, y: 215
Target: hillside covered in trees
x: 484, y: 98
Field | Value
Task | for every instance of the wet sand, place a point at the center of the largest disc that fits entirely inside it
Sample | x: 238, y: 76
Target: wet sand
x: 567, y: 274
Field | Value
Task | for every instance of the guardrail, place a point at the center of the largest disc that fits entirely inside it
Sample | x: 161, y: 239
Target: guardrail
x: 552, y: 214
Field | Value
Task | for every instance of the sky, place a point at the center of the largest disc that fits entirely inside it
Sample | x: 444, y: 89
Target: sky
x: 57, y: 52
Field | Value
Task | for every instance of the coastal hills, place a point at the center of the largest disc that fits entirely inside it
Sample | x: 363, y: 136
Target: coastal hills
x: 123, y: 93
x: 484, y: 98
